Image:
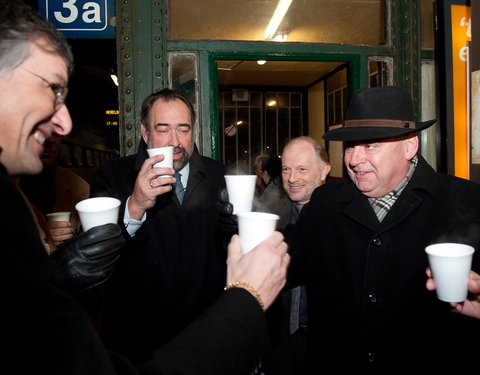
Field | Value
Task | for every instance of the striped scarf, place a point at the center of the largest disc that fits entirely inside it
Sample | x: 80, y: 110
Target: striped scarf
x: 381, y: 206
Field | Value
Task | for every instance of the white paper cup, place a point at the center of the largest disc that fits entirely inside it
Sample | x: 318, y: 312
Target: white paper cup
x: 167, y: 152
x: 94, y: 212
x: 255, y: 227
x: 450, y: 264
x: 241, y: 189
x: 58, y: 216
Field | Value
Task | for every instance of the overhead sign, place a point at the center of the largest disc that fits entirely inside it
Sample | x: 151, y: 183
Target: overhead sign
x: 81, y: 18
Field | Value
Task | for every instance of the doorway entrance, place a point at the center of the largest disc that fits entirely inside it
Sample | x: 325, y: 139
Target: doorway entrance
x: 263, y: 104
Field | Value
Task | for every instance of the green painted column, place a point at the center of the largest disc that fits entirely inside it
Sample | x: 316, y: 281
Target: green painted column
x: 208, y: 110
x: 406, y: 41
x: 141, y: 61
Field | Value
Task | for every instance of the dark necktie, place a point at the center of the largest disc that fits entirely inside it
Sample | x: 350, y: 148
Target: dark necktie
x: 178, y: 187
x: 298, y: 309
x: 295, y: 212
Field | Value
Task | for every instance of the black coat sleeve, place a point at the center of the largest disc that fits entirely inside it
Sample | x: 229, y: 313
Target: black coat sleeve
x: 229, y: 338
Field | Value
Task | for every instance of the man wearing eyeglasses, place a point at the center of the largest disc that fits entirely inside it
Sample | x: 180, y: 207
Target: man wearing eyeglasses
x: 43, y: 329
x: 59, y: 90
x: 23, y: 145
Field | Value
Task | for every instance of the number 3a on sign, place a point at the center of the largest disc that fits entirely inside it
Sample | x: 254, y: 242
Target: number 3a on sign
x: 91, y: 14
x: 81, y: 18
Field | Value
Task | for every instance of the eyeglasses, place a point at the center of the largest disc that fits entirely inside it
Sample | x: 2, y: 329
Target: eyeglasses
x: 59, y: 90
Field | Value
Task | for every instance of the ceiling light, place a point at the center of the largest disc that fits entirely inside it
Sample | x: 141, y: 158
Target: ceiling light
x: 278, y: 14
x: 261, y: 62
x: 272, y: 103
x: 280, y: 38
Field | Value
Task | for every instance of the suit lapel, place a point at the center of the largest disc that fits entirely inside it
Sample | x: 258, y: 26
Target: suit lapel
x: 360, y: 211
x: 358, y: 208
x: 195, y: 176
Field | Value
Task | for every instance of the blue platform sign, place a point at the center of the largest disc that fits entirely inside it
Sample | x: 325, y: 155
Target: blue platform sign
x: 81, y: 18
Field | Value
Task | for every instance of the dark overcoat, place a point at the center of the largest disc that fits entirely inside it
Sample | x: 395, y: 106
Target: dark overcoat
x: 175, y: 265
x: 45, y: 331
x: 368, y: 304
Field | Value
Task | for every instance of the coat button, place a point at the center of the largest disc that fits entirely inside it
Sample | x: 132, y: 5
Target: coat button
x: 377, y: 241
x: 372, y: 297
x: 371, y: 357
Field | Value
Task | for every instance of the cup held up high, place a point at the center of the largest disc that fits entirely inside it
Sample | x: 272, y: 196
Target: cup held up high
x: 241, y: 189
x: 255, y: 227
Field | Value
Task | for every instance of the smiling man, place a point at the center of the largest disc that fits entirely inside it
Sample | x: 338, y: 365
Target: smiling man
x: 359, y: 247
x: 43, y: 328
x: 35, y: 66
x: 305, y: 167
x: 37, y: 119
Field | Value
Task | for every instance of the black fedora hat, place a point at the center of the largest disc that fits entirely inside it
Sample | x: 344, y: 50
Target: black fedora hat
x: 376, y: 113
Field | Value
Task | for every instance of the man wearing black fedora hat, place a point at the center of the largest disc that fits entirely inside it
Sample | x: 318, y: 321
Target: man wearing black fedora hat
x: 359, y: 247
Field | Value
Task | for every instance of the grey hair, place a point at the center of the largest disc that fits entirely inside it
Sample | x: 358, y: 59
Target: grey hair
x: 320, y: 151
x: 20, y: 26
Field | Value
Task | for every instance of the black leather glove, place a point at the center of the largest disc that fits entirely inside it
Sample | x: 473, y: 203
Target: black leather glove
x: 88, y: 259
x: 227, y: 221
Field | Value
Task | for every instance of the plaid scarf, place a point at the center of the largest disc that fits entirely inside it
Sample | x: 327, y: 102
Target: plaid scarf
x: 381, y: 206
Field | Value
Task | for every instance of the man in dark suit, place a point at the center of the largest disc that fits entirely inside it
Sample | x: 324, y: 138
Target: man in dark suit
x: 175, y: 265
x: 43, y: 328
x: 359, y: 248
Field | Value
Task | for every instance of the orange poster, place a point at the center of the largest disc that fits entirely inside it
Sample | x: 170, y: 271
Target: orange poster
x: 461, y: 34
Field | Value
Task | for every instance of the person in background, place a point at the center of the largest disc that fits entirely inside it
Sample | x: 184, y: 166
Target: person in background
x: 56, y: 189
x: 175, y: 265
x: 44, y: 330
x: 258, y: 169
x: 272, y: 198
x: 305, y: 166
x: 359, y: 248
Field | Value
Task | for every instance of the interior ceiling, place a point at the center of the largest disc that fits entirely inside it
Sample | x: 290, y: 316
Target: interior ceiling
x: 272, y: 73
x: 328, y: 21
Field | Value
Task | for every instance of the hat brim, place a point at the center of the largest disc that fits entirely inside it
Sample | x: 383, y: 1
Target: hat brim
x: 363, y: 133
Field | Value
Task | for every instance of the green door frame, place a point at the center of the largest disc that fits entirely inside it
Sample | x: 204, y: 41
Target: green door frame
x: 358, y: 77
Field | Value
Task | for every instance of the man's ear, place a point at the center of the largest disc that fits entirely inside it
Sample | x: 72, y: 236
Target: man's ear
x: 144, y: 130
x: 411, y: 147
x: 325, y: 171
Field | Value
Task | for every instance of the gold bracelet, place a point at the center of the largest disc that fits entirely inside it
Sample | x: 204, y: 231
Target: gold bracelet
x: 251, y: 289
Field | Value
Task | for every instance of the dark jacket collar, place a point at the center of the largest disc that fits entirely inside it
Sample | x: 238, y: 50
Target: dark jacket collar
x: 424, y: 178
x: 357, y: 207
x: 3, y: 169
x: 141, y: 155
